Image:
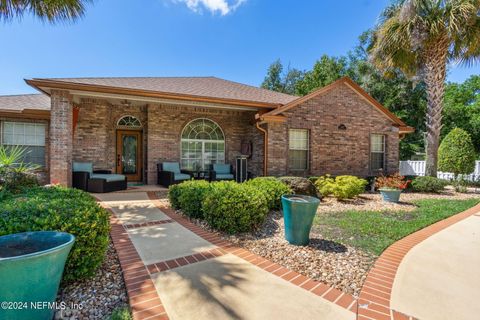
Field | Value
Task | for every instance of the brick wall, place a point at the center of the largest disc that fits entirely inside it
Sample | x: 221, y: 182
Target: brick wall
x: 95, y: 134
x: 332, y: 150
x: 166, y: 122
x: 61, y: 138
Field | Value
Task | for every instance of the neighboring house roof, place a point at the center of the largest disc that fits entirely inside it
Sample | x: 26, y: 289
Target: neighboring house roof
x: 25, y: 104
x: 352, y: 85
x: 213, y: 88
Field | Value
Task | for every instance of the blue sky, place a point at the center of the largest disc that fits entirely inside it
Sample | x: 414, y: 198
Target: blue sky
x: 232, y: 39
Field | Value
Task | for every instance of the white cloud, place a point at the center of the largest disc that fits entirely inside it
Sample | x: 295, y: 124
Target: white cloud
x: 223, y: 7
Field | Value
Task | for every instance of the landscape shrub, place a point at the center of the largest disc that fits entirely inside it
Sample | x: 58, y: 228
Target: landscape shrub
x: 15, y: 175
x: 348, y: 187
x: 342, y: 187
x: 191, y: 195
x: 428, y: 184
x: 273, y: 189
x: 234, y: 207
x: 61, y: 209
x: 300, y: 185
x: 325, y: 185
x: 456, y: 153
x: 174, y: 192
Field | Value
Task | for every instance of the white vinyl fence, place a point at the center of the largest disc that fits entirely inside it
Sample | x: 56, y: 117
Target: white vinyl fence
x: 417, y: 168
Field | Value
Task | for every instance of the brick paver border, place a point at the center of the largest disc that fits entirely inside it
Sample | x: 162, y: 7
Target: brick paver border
x: 142, y: 295
x: 374, y: 299
x: 320, y: 289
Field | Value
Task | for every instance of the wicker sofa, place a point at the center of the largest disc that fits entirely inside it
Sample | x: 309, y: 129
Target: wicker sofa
x: 96, y: 181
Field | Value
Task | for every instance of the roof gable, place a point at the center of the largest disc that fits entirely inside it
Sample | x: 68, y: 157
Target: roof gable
x: 354, y: 87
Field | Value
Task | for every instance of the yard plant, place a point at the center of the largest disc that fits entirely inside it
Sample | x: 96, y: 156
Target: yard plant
x: 341, y: 187
x: 61, y: 209
x: 15, y: 175
x: 272, y: 188
x: 192, y: 194
x: 428, y: 184
x: 233, y: 207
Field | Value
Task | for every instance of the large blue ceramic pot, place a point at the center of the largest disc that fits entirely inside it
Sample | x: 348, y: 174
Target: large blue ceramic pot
x: 298, y: 214
x: 31, y: 267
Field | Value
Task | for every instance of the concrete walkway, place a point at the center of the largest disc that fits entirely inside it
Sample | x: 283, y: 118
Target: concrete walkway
x: 197, y: 275
x: 440, y: 277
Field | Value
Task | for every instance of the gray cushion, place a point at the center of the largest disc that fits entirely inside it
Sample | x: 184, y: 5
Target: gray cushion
x: 83, y: 166
x: 224, y: 176
x: 108, y: 177
x: 221, y: 168
x: 171, y: 166
x: 181, y: 176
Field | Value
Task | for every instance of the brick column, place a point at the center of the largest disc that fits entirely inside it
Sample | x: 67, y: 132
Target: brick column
x: 277, y: 149
x: 61, y: 126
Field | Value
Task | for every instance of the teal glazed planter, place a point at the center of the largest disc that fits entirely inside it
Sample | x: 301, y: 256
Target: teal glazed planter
x: 391, y: 195
x: 298, y: 214
x: 31, y: 267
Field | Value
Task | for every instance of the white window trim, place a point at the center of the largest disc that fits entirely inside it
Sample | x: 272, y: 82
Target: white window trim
x: 384, y: 139
x: 307, y: 149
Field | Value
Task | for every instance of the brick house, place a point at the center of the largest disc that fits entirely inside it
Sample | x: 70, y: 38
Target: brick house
x: 128, y: 125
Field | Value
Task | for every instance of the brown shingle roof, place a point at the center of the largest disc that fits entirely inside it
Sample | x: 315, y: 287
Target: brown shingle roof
x: 21, y: 102
x: 210, y: 87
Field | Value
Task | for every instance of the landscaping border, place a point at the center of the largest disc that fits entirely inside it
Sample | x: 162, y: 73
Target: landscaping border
x: 143, y: 298
x: 375, y: 295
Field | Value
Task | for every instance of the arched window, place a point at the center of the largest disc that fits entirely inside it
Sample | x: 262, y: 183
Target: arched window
x: 203, y: 143
x: 130, y: 122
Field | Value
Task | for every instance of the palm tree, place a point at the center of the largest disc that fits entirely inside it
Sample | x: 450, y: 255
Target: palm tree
x: 421, y: 37
x: 50, y: 10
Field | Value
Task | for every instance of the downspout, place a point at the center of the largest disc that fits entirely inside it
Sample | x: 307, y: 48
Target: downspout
x: 265, y: 147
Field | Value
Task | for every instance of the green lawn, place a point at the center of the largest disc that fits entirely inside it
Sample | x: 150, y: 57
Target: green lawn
x: 375, y: 231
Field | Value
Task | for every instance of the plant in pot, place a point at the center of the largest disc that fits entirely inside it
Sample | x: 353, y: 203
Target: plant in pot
x: 391, y: 187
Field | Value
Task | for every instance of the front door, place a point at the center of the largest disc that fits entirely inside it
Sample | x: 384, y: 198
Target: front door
x: 129, y: 154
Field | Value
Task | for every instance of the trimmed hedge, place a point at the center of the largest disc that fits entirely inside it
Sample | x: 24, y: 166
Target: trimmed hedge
x: 234, y: 207
x: 428, y: 184
x: 62, y: 209
x: 273, y: 189
x: 192, y: 193
x: 342, y: 187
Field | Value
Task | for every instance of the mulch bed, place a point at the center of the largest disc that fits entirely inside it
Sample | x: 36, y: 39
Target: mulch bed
x: 99, y: 296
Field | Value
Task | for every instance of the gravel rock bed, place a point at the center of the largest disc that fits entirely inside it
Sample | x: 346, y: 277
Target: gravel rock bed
x: 99, y: 296
x: 374, y: 202
x: 341, y: 267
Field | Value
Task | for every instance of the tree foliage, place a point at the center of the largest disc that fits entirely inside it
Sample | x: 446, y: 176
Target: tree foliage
x: 462, y: 109
x: 404, y: 97
x: 456, y: 153
x: 280, y: 81
x: 50, y: 10
x: 420, y: 37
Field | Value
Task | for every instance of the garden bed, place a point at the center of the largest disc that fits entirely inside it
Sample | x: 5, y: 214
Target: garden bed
x: 99, y: 296
x: 374, y: 202
x: 348, y: 235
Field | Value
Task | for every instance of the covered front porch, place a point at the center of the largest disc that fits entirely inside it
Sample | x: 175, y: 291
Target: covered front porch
x: 130, y: 135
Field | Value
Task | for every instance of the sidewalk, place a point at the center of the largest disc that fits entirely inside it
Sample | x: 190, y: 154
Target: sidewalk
x: 439, y: 278
x: 176, y: 270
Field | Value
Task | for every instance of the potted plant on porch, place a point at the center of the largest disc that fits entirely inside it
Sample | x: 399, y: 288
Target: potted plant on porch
x: 391, y: 187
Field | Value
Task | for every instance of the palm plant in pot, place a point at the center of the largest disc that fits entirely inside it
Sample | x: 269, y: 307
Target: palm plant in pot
x: 391, y: 187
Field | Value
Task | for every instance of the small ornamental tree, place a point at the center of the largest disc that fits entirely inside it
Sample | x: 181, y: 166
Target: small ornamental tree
x: 456, y: 153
